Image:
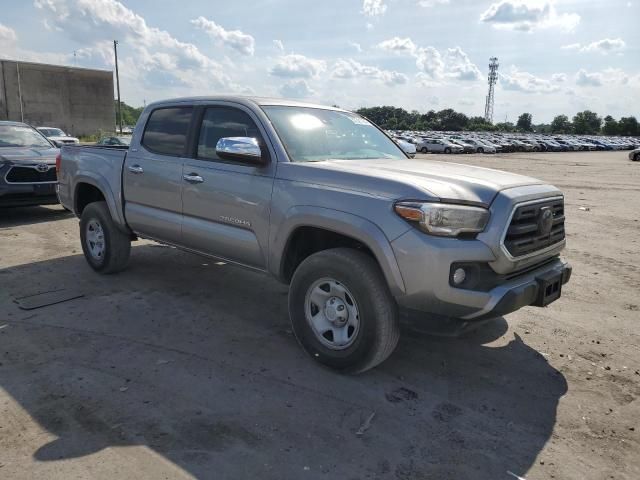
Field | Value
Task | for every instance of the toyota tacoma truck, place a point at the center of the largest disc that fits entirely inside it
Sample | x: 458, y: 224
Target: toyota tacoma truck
x: 324, y: 201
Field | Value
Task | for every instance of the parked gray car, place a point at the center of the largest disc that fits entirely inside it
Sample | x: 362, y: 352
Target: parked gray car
x: 325, y: 201
x: 27, y: 166
x: 438, y: 145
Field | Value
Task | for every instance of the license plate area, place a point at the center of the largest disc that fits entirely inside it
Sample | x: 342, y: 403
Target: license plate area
x: 549, y: 289
x: 44, y: 188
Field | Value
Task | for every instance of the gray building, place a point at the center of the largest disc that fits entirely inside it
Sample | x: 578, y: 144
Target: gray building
x: 77, y: 100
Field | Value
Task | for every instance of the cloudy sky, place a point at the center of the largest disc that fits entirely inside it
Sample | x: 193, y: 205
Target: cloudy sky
x: 556, y: 56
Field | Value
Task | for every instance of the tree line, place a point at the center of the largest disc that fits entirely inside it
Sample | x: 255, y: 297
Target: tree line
x: 584, y: 123
x: 394, y: 118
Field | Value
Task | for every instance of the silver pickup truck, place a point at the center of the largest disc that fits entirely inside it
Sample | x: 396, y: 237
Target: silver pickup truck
x: 323, y: 200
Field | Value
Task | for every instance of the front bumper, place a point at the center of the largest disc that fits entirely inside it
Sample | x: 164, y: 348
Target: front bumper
x: 24, y: 194
x: 499, y: 285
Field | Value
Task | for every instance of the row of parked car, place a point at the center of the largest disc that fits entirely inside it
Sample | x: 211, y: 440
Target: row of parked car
x: 490, y: 142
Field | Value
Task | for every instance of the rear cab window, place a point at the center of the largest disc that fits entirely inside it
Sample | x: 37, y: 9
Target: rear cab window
x: 167, y: 130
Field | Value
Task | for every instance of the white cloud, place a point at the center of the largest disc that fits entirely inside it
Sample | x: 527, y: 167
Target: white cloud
x: 571, y: 46
x: 239, y: 41
x: 598, y: 79
x: 350, y: 68
x: 455, y: 64
x: 296, y: 89
x: 559, y: 77
x: 526, y: 82
x: 528, y: 15
x: 429, y: 60
x: 293, y: 65
x: 279, y: 45
x: 7, y: 34
x: 398, y: 45
x: 459, y: 66
x: 604, y: 46
x: 373, y: 8
x: 357, y: 46
x: 151, y: 58
x: 585, y: 79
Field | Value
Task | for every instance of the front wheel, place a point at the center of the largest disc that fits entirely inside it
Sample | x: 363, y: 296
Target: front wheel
x: 480, y: 150
x: 447, y: 150
x: 424, y: 150
x: 106, y: 248
x: 341, y: 310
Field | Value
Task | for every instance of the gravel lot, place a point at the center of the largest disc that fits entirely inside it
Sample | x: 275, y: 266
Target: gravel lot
x: 180, y: 367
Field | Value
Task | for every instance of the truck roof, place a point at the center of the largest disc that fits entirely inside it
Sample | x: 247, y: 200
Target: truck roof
x: 245, y: 100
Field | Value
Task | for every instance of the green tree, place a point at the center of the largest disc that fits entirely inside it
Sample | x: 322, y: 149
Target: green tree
x: 628, y: 126
x: 505, y: 127
x: 524, y: 122
x: 586, y: 122
x: 478, y: 124
x: 542, y: 128
x: 129, y: 114
x: 610, y: 126
x: 449, y: 119
x: 561, y: 124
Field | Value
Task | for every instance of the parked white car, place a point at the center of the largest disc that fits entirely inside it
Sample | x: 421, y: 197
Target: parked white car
x: 57, y: 136
x: 408, y: 148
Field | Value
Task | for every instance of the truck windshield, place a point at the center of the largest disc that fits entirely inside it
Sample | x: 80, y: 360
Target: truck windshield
x: 314, y: 135
x: 19, y: 136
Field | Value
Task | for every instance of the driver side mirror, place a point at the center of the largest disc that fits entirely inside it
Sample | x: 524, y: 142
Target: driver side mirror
x: 241, y: 149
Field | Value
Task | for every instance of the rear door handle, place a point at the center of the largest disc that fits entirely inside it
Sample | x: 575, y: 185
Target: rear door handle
x: 193, y: 178
x: 135, y: 169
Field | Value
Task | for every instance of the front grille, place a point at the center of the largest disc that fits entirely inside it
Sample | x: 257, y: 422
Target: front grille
x: 526, y: 233
x: 30, y: 175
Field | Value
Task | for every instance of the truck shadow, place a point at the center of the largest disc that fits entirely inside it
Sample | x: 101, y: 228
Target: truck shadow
x: 195, y: 360
x: 17, y: 216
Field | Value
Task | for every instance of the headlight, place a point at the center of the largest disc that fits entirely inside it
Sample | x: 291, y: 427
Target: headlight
x: 442, y: 219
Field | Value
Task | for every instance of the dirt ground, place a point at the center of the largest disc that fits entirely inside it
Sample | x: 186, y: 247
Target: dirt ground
x: 181, y: 367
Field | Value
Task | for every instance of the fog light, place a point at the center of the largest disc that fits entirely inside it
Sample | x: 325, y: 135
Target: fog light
x: 459, y: 275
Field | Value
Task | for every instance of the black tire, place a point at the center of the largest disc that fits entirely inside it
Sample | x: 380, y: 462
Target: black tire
x: 636, y: 158
x: 424, y: 150
x: 378, y: 331
x: 447, y: 150
x: 480, y: 150
x: 117, y: 244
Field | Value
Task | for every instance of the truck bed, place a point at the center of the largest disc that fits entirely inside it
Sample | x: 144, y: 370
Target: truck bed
x: 95, y: 165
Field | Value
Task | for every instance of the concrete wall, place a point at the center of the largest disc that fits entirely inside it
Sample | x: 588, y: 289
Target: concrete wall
x: 77, y: 100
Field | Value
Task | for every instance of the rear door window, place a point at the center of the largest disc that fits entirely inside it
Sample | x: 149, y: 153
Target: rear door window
x: 167, y: 129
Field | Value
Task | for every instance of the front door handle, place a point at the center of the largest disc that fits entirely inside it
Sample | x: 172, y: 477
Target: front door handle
x: 193, y: 178
x: 135, y: 169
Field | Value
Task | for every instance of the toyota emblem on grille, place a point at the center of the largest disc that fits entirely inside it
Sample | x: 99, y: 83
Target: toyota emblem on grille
x: 42, y: 168
x: 545, y: 221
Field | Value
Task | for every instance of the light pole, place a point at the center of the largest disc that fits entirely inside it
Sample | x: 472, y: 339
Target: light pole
x: 115, y: 51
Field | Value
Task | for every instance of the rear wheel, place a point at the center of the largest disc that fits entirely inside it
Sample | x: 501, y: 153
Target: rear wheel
x: 341, y: 310
x: 447, y: 150
x: 106, y: 248
x: 424, y: 150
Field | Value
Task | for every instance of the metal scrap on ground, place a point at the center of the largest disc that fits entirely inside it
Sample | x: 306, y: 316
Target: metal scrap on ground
x: 44, y: 299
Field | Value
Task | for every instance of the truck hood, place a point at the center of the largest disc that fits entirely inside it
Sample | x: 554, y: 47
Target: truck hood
x: 28, y: 155
x: 444, y: 180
